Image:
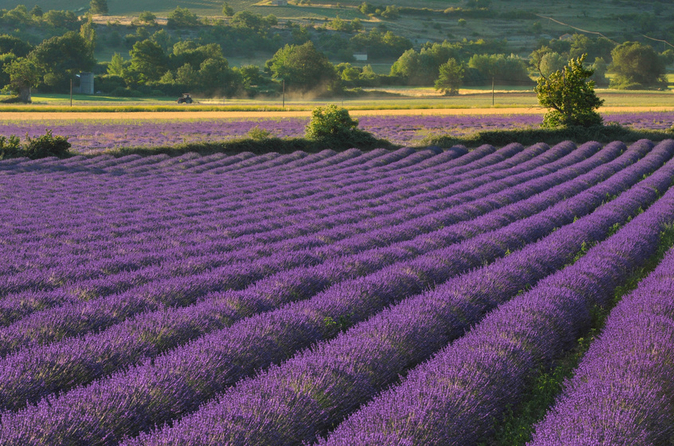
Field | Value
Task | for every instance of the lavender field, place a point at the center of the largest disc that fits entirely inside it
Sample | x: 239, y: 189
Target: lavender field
x: 95, y: 136
x: 407, y: 297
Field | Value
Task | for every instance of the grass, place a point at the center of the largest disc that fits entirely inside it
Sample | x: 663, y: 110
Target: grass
x: 517, y: 428
x: 384, y: 98
x: 526, y: 137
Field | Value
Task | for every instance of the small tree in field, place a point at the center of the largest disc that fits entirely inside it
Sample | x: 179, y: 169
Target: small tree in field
x: 330, y: 122
x: 450, y: 78
x: 569, y: 96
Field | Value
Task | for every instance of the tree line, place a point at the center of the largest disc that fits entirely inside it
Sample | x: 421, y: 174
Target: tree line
x: 164, y: 63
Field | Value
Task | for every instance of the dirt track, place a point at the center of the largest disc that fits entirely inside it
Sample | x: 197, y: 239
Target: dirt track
x: 130, y: 116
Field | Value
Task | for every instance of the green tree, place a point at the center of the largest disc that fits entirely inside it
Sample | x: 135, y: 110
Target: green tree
x: 98, y: 7
x: 217, y: 78
x: 227, y: 10
x: 330, y: 122
x: 248, y: 19
x: 23, y: 75
x: 450, y: 78
x: 11, y: 44
x: 501, y: 69
x: 88, y: 33
x: 569, y: 96
x: 551, y: 62
x: 600, y: 67
x: 116, y: 65
x: 148, y: 60
x: 415, y: 69
x: 147, y: 17
x: 182, y: 18
x: 36, y: 11
x: 61, y: 19
x: 61, y: 57
x: 303, y: 68
x: 637, y: 66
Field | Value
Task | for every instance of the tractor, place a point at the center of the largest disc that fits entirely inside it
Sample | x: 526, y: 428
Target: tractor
x: 185, y: 99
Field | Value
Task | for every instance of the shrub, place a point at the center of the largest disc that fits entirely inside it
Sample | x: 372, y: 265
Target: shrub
x: 46, y: 145
x: 259, y: 134
x: 330, y: 122
x: 10, y: 147
x: 569, y: 96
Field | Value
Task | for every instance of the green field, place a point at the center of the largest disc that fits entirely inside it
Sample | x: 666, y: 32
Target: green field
x: 417, y: 98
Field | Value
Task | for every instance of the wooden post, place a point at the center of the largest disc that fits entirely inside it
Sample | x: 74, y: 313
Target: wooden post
x: 71, y: 92
x: 283, y: 82
x: 492, y: 91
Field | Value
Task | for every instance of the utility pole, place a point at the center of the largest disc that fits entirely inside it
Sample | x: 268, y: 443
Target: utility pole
x: 492, y: 90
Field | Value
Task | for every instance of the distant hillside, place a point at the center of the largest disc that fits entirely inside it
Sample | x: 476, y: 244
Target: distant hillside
x: 521, y: 23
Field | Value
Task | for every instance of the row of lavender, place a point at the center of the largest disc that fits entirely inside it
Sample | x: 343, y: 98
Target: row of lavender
x: 306, y: 396
x: 31, y: 329
x: 165, y: 375
x: 138, y: 338
x: 87, y: 136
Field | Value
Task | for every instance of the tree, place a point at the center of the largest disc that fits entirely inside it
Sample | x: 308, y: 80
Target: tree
x: 637, y: 66
x: 227, y: 10
x: 330, y: 122
x: 501, y: 69
x: 61, y: 57
x: 569, y: 96
x: 182, y: 18
x: 98, y: 7
x: 88, y: 33
x: 551, y: 62
x: 148, y: 60
x: 217, y: 78
x: 11, y: 44
x: 116, y: 65
x: 23, y: 75
x: 147, y: 17
x: 248, y: 19
x: 303, y: 68
x: 450, y: 78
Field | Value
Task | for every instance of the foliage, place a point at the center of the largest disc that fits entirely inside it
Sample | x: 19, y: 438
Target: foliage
x: 569, y: 96
x: 303, y: 68
x: 227, y: 10
x: 450, y: 78
x: 59, y: 58
x: 10, y: 147
x: 330, y: 122
x: 61, y: 19
x: 116, y: 65
x: 11, y: 44
x: 46, y: 145
x: 636, y: 67
x: 147, y: 17
x: 182, y: 18
x: 259, y: 134
x: 149, y: 60
x: 23, y: 75
x: 98, y: 7
x: 34, y: 148
x: 381, y: 45
x: 502, y: 69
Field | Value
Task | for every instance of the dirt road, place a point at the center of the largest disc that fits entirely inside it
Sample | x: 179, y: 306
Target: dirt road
x: 196, y: 115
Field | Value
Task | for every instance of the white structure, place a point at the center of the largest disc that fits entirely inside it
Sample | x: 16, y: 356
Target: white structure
x: 86, y: 84
x: 360, y: 56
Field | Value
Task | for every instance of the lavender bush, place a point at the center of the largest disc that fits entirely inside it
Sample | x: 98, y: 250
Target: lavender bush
x: 92, y: 136
x: 267, y: 299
